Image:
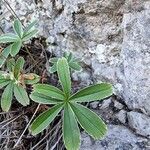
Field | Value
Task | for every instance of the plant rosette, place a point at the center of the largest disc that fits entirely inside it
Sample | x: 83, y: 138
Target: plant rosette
x: 73, y: 63
x: 14, y: 83
x: 73, y: 113
x: 16, y: 39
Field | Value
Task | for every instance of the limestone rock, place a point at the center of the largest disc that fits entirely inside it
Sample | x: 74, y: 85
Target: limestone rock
x: 94, y: 105
x: 86, y: 139
x: 105, y: 104
x: 118, y: 105
x: 118, y: 138
x: 139, y: 122
x: 121, y: 116
x: 136, y: 60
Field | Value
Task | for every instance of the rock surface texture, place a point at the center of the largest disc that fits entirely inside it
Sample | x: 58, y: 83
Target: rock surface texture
x: 118, y: 138
x: 136, y: 60
x: 112, y: 38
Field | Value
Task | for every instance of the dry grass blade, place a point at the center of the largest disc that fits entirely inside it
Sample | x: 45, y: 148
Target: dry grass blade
x: 10, y: 9
x: 10, y: 121
x: 54, y: 146
x: 27, y: 126
x: 46, y: 136
x: 10, y: 112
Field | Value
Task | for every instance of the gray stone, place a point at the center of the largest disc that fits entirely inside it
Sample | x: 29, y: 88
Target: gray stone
x: 105, y: 104
x: 121, y: 116
x: 139, y: 122
x: 136, y: 60
x: 83, y: 77
x: 118, y: 138
x: 86, y: 140
x: 118, y: 105
x: 94, y: 105
x: 136, y: 5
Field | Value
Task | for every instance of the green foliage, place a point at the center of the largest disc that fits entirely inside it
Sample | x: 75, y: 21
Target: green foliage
x: 15, y: 81
x: 72, y: 61
x: 4, y: 54
x: 73, y: 113
x: 16, y: 39
x: 64, y: 76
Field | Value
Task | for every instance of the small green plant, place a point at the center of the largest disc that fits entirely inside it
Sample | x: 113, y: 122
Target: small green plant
x: 73, y: 113
x: 15, y: 82
x: 72, y: 61
x: 16, y: 39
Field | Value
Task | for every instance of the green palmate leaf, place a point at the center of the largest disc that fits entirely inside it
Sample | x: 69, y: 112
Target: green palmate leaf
x: 16, y: 48
x: 70, y: 57
x: 4, y: 82
x: 8, y: 38
x: 72, y: 63
x: 4, y: 54
x: 64, y: 75
x: 7, y: 97
x: 53, y: 68
x: 43, y: 99
x: 11, y: 64
x: 29, y: 27
x: 18, y: 28
x: 75, y: 66
x: 92, y: 93
x: 21, y: 95
x: 71, y: 133
x: 49, y: 90
x: 65, y: 55
x: 53, y: 60
x: 31, y: 78
x: 30, y: 35
x: 2, y: 74
x: 89, y: 121
x: 42, y: 121
x: 18, y: 67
